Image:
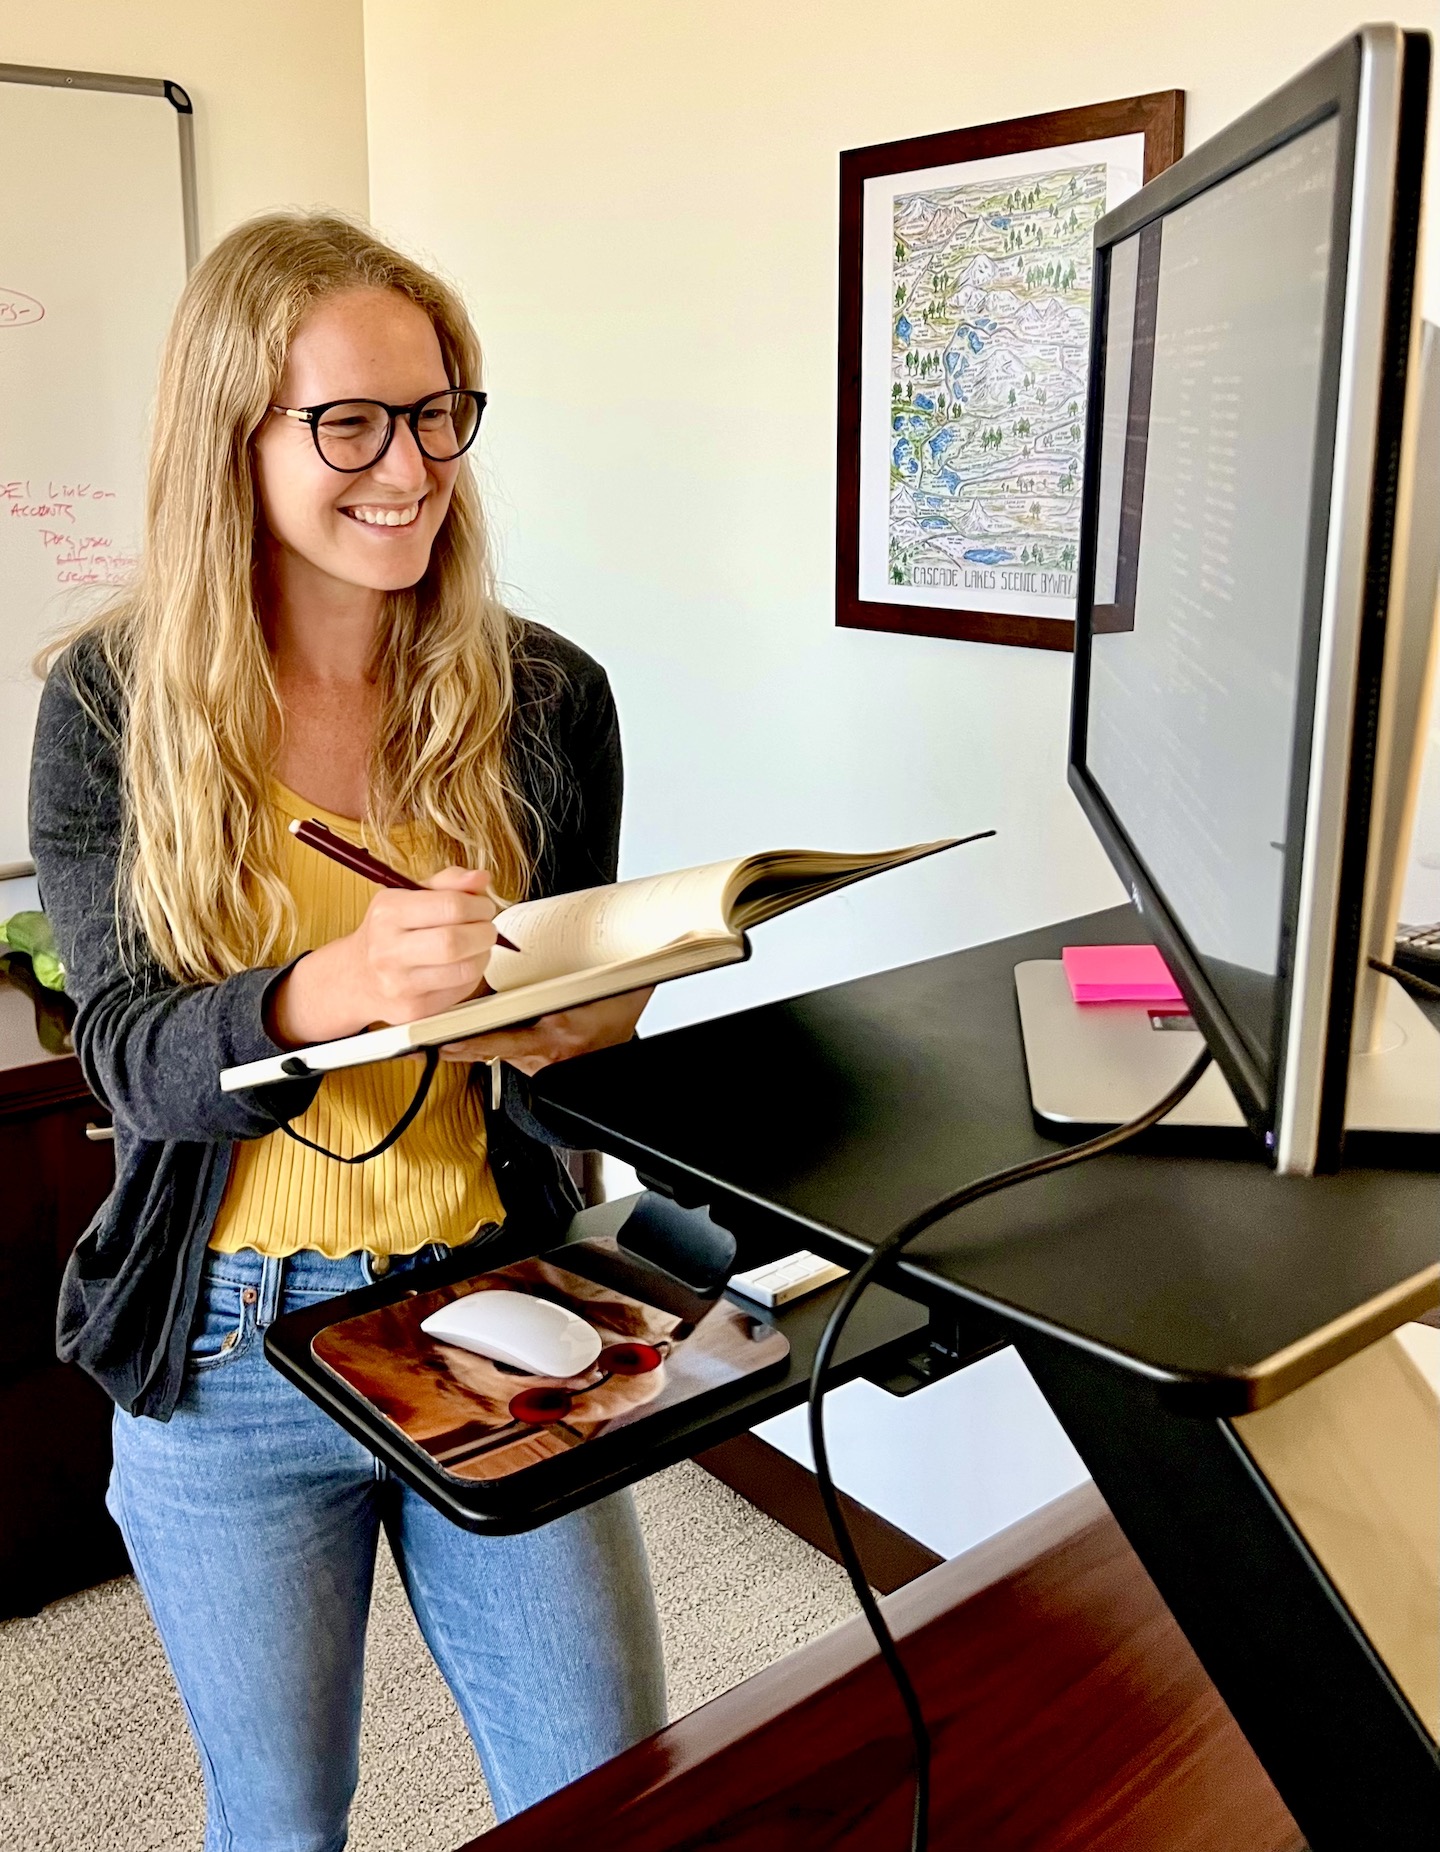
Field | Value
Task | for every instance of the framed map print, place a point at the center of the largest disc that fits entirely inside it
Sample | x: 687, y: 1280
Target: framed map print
x: 964, y: 353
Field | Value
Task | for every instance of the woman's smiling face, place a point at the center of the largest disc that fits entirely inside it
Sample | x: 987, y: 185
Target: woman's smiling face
x: 374, y: 529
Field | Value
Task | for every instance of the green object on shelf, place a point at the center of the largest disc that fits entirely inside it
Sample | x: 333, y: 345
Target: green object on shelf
x: 30, y: 933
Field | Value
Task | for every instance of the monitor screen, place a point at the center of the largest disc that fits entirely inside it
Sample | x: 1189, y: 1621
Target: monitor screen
x: 1213, y: 344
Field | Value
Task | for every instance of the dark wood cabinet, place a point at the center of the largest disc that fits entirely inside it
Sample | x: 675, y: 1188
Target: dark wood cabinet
x: 55, y: 1534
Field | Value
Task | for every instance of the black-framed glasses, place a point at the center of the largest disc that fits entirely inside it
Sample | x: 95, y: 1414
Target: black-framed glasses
x: 353, y: 434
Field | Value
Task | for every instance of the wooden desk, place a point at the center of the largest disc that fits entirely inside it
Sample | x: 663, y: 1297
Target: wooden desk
x: 55, y: 1534
x: 1066, y: 1712
x: 1153, y: 1295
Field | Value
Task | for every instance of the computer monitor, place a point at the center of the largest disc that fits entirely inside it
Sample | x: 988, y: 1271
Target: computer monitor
x: 1254, y: 630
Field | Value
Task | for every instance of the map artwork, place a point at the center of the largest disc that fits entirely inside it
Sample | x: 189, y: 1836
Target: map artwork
x: 989, y: 354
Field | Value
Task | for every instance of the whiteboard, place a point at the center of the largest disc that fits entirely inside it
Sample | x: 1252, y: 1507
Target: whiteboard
x: 96, y: 226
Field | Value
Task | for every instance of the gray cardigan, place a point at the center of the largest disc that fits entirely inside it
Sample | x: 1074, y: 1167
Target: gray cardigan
x: 152, y: 1049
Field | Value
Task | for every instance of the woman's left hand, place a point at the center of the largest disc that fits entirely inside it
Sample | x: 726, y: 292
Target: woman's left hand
x: 560, y: 1037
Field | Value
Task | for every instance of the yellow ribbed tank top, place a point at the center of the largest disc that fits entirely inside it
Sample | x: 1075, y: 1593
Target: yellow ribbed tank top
x: 433, y: 1184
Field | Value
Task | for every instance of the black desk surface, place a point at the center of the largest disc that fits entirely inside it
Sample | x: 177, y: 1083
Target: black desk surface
x: 843, y: 1112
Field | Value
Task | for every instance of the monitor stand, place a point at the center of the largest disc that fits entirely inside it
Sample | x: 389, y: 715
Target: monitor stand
x: 1093, y: 1065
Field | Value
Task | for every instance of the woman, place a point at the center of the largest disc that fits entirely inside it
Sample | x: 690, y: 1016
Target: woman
x: 314, y: 631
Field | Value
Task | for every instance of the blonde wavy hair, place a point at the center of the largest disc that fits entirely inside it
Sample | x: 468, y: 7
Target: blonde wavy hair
x: 201, y: 854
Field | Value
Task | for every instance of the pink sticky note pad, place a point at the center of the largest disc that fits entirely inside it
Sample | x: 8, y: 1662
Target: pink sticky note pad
x: 1119, y: 974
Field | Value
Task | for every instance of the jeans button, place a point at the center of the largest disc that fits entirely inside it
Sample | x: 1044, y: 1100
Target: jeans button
x: 248, y: 1296
x: 380, y: 1266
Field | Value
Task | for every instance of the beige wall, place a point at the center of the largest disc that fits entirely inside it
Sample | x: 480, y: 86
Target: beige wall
x: 278, y: 88
x: 639, y: 199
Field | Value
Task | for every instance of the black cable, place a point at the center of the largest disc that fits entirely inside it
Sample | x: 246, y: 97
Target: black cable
x: 1407, y: 979
x: 883, y: 1252
x: 401, y: 1125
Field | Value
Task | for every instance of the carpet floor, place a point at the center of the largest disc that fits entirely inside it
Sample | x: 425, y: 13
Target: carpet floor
x: 95, y: 1755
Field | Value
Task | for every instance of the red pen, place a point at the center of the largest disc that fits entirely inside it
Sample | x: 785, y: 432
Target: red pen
x: 317, y: 835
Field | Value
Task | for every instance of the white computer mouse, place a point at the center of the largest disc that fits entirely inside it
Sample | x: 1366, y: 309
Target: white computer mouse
x: 532, y: 1334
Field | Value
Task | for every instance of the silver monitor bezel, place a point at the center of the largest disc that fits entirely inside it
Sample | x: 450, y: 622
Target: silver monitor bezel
x: 1376, y: 83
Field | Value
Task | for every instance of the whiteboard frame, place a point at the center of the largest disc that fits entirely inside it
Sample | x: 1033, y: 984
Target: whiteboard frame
x: 179, y: 99
x: 172, y: 93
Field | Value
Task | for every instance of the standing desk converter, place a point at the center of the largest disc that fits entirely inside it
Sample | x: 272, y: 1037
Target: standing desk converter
x: 1169, y: 1305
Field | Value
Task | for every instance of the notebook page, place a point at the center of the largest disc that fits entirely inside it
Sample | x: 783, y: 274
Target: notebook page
x: 604, y: 925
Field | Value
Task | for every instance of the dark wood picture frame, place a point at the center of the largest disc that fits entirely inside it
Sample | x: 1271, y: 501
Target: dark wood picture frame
x: 1160, y: 118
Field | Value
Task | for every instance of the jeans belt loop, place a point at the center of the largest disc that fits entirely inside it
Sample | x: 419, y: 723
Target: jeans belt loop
x: 272, y: 1281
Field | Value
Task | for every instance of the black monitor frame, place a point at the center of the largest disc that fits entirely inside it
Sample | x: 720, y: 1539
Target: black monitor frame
x: 1330, y: 88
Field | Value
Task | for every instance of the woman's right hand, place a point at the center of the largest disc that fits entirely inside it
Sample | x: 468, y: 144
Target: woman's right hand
x: 416, y: 952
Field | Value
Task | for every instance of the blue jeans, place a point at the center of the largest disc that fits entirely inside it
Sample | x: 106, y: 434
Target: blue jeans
x: 252, y: 1521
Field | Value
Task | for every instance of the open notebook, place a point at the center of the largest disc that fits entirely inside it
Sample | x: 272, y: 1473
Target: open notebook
x: 577, y: 948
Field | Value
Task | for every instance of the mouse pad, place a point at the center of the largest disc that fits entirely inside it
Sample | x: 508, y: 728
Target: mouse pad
x: 478, y: 1419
